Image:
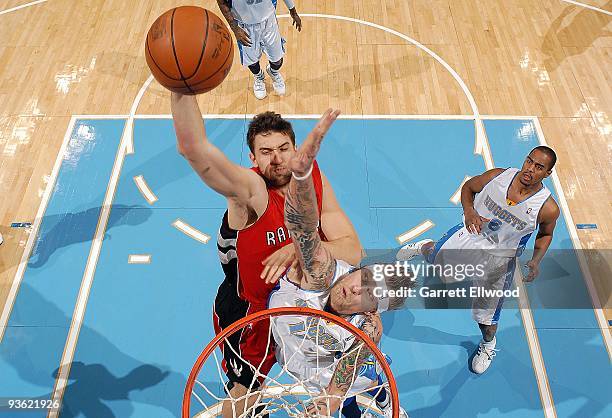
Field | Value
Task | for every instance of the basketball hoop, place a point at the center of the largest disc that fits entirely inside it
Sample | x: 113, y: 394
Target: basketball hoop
x: 281, y: 393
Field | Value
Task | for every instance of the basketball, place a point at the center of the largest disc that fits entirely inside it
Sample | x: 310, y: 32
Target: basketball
x: 189, y: 50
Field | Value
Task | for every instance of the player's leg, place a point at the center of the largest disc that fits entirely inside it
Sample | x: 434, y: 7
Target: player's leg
x: 274, y: 47
x: 250, y: 56
x: 452, y: 239
x: 229, y: 308
x: 486, y: 310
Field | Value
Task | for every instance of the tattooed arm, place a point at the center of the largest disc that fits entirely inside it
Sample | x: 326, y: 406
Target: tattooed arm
x: 301, y: 213
x: 347, y: 369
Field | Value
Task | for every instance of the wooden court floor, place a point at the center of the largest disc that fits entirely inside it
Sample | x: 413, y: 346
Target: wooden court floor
x: 544, y: 58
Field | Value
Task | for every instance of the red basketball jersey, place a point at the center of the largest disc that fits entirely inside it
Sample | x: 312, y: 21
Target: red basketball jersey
x: 241, y: 252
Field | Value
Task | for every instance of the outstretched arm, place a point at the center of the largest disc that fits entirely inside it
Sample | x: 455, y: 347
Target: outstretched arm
x: 301, y: 213
x: 348, y: 367
x: 217, y: 171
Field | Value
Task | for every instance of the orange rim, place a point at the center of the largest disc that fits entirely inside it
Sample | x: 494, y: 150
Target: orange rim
x: 267, y: 313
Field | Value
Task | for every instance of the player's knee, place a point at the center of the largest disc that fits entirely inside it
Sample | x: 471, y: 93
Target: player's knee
x: 276, y: 65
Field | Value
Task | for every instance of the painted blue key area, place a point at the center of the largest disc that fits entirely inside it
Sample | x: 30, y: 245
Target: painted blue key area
x: 145, y: 324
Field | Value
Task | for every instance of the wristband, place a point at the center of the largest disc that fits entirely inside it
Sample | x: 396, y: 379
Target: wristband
x: 305, y: 176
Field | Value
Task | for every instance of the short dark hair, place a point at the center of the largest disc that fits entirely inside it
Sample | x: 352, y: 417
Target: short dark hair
x: 548, y: 151
x: 265, y: 123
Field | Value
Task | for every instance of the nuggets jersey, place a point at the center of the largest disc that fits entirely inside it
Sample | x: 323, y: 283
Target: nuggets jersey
x: 307, y: 343
x: 253, y: 11
x: 241, y: 252
x: 511, y: 225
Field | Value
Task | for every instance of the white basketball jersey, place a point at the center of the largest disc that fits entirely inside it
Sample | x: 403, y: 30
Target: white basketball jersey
x: 253, y: 11
x: 511, y: 225
x: 303, y: 342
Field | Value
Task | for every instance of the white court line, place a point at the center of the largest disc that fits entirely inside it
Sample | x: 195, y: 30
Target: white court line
x: 12, y: 9
x: 584, y: 266
x: 415, y: 232
x: 139, y: 259
x: 87, y: 280
x: 190, y: 231
x: 317, y: 116
x: 481, y: 145
x: 92, y: 262
x: 12, y: 295
x: 588, y: 6
x: 129, y: 128
x: 456, y: 197
x: 537, y: 359
x: 145, y: 190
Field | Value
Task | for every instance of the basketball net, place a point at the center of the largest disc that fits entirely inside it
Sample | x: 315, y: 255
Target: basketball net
x: 281, y: 392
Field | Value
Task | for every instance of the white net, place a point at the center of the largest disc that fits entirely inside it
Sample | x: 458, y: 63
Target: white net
x: 291, y: 388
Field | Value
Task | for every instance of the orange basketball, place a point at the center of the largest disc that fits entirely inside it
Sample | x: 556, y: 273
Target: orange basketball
x: 189, y: 50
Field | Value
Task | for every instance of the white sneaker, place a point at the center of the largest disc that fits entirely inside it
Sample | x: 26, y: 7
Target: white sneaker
x: 409, y: 251
x: 483, y: 358
x: 278, y: 82
x: 1, y: 239
x: 259, y: 88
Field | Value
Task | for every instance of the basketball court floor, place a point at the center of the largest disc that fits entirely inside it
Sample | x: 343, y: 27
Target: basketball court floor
x: 108, y: 293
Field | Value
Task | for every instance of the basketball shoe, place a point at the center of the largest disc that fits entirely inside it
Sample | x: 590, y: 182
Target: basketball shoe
x: 259, y: 86
x: 409, y: 251
x: 484, y: 356
x: 278, y: 82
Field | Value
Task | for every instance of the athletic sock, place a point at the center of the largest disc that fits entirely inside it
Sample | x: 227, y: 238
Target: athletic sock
x: 489, y: 345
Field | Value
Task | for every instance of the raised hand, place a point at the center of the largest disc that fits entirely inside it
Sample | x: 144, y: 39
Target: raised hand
x: 302, y: 160
x: 278, y: 262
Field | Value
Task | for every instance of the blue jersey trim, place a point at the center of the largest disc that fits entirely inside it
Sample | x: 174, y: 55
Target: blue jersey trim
x: 507, y: 284
x: 522, y: 244
x: 432, y: 257
x: 241, y: 55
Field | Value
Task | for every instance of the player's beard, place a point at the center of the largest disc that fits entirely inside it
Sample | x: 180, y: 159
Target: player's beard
x: 277, y: 178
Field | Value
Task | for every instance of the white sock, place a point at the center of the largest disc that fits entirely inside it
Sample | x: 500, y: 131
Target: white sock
x: 489, y: 345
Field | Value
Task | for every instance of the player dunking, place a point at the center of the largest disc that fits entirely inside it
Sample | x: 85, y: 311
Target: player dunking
x: 253, y: 231
x: 328, y: 360
x: 256, y: 28
x: 501, y: 209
